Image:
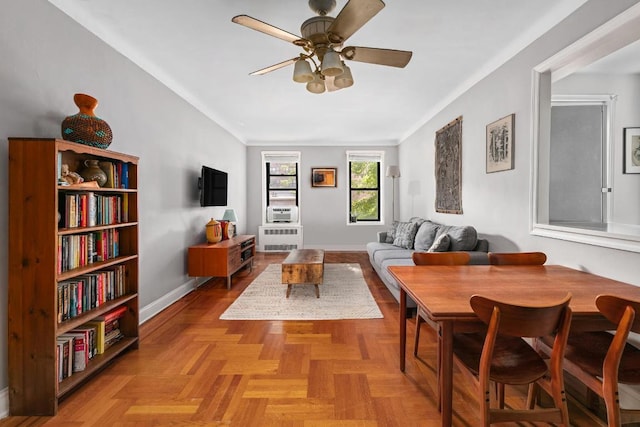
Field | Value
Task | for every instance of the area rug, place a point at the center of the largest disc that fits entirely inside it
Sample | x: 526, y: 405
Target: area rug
x: 343, y: 295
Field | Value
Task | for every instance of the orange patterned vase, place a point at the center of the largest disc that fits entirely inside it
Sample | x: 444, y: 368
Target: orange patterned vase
x: 84, y: 127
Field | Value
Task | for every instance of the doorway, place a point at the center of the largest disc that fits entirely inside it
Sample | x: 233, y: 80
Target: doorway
x: 578, y: 175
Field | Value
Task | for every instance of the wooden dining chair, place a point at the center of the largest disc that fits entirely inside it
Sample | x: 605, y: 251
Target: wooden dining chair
x: 517, y: 258
x: 435, y: 258
x: 602, y: 361
x: 501, y: 355
x: 514, y: 258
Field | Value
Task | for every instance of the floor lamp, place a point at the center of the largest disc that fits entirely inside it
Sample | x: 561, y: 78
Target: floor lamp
x: 393, y: 172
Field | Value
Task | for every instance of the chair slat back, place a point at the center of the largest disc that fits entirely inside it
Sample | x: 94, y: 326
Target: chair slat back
x: 520, y: 320
x: 517, y: 258
x: 613, y: 308
x: 441, y: 258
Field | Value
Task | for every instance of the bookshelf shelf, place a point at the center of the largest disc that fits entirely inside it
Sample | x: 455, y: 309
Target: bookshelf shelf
x: 96, y: 364
x: 98, y: 265
x: 74, y: 322
x: 65, y: 231
x: 61, y: 277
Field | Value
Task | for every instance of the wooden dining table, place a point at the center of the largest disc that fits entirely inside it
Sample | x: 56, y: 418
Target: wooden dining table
x: 443, y: 293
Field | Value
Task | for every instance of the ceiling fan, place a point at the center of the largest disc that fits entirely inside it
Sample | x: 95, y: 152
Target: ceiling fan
x: 322, y: 41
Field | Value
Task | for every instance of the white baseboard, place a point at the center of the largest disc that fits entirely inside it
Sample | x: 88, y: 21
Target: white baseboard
x: 339, y: 248
x: 150, y: 310
x: 4, y: 402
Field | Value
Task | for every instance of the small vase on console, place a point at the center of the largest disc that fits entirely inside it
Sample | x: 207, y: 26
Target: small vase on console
x: 214, y: 231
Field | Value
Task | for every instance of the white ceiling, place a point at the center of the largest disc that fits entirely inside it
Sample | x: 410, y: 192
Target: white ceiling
x: 194, y: 49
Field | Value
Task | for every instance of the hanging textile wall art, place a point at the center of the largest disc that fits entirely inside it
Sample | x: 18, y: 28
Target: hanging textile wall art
x: 449, y: 168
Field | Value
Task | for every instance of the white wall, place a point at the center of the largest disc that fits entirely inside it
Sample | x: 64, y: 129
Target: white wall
x: 498, y: 204
x: 323, y: 211
x: 46, y: 58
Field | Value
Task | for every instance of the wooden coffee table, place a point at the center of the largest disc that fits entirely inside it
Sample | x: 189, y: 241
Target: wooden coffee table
x: 303, y: 266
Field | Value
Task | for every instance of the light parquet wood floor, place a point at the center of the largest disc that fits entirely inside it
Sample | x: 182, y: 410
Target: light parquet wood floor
x: 193, y: 369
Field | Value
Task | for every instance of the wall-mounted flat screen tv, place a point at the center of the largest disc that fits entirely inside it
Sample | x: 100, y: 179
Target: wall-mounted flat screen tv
x: 213, y: 187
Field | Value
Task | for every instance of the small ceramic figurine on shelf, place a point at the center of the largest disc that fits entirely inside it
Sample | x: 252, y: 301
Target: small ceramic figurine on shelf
x: 69, y: 177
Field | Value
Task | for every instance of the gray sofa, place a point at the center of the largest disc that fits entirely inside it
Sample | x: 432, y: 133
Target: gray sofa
x: 394, y: 247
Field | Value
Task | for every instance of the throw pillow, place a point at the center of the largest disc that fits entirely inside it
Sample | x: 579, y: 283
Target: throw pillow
x: 391, y: 234
x: 405, y: 234
x: 441, y: 244
x: 463, y: 238
x: 426, y: 235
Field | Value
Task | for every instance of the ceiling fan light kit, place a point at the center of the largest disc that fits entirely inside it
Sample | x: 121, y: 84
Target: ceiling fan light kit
x: 331, y: 64
x: 322, y: 40
x: 302, y: 72
x: 345, y: 79
x: 317, y: 84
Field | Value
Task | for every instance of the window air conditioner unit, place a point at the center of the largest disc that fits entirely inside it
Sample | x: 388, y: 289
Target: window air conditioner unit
x: 282, y: 214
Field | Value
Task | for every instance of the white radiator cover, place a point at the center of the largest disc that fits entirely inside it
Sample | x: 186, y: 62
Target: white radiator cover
x: 279, y: 237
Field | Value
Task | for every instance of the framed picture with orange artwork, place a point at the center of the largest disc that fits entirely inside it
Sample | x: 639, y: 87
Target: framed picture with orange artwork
x: 324, y: 177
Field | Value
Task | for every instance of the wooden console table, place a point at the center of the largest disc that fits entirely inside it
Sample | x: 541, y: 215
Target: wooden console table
x: 222, y: 259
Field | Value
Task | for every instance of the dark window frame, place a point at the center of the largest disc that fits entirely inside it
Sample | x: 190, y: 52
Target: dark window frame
x: 268, y: 182
x: 376, y: 189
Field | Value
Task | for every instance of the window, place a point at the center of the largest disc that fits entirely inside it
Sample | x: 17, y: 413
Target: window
x: 282, y: 184
x: 280, y: 172
x: 364, y: 185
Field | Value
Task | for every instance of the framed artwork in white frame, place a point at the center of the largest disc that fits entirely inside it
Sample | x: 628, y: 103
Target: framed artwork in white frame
x: 632, y: 150
x: 500, y: 144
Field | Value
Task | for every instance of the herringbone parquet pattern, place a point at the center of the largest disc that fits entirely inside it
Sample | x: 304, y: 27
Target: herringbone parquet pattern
x: 193, y: 369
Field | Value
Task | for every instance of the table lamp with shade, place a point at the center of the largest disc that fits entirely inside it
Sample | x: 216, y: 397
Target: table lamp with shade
x: 231, y: 219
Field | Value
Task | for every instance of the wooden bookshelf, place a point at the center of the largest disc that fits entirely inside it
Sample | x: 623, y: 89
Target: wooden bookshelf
x: 35, y: 259
x: 222, y: 259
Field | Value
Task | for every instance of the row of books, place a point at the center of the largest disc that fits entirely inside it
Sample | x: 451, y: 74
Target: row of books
x: 78, y: 346
x: 117, y: 172
x: 89, y: 291
x: 88, y: 209
x: 79, y: 250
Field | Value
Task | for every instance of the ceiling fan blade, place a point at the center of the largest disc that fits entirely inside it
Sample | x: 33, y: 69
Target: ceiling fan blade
x: 352, y: 17
x: 265, y: 28
x: 274, y: 67
x: 390, y: 57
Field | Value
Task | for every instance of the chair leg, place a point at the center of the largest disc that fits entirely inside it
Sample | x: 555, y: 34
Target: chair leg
x: 500, y: 389
x: 611, y: 400
x: 532, y: 395
x: 485, y: 404
x: 419, y: 320
x: 560, y: 401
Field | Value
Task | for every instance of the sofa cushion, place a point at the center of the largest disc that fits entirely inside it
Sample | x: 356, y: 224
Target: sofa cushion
x: 405, y: 234
x: 391, y: 234
x: 426, y: 235
x: 463, y: 238
x: 373, y: 247
x: 441, y: 244
x: 398, y: 253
